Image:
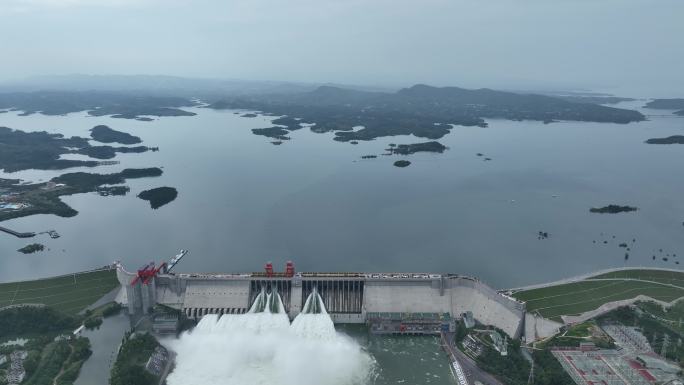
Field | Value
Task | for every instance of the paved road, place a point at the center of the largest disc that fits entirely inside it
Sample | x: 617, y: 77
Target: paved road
x: 472, y: 372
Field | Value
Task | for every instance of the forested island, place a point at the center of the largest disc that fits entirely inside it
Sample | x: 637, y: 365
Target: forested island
x: 612, y: 209
x: 674, y: 139
x: 421, y: 110
x: 41, y: 150
x: 407, y: 149
x: 43, y: 198
x: 159, y: 196
x: 104, y: 134
x: 402, y: 163
x: 31, y: 248
x: 96, y: 103
x: 272, y: 132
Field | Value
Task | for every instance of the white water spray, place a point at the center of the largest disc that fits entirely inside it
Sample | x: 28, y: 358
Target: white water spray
x: 262, y: 347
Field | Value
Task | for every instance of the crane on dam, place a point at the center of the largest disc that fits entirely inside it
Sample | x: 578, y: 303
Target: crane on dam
x: 149, y: 271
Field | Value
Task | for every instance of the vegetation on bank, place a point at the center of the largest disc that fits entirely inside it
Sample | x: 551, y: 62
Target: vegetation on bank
x: 159, y: 196
x: 55, y: 356
x: 32, y: 248
x: 70, y: 293
x: 129, y: 368
x: 582, y: 296
x: 612, y: 209
x: 668, y: 277
x: 514, y: 367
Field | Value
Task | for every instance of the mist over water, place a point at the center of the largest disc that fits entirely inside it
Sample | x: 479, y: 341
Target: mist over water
x: 262, y: 347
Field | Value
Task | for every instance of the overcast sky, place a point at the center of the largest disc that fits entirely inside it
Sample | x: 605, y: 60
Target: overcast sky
x: 632, y: 47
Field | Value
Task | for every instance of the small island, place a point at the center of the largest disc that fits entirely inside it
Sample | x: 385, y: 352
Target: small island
x: 674, y: 139
x: 612, y: 209
x: 407, y: 149
x: 104, y: 134
x: 402, y: 163
x: 248, y: 115
x: 32, y: 248
x: 159, y: 196
x: 272, y: 132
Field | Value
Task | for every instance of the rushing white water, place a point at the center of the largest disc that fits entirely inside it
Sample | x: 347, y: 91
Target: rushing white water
x: 262, y: 347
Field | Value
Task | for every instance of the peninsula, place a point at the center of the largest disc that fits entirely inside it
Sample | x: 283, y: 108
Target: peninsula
x: 43, y: 198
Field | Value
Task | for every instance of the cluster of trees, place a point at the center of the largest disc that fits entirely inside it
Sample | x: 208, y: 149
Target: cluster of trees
x: 513, y: 369
x: 129, y: 369
x: 159, y: 196
x: 34, y: 320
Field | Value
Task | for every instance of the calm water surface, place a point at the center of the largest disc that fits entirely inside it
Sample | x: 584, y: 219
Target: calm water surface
x: 104, y: 342
x: 243, y: 201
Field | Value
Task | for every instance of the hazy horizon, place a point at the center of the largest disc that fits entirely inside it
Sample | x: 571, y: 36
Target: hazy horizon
x: 624, y: 47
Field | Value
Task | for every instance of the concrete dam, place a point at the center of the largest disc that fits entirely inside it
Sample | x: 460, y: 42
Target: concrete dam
x: 348, y: 297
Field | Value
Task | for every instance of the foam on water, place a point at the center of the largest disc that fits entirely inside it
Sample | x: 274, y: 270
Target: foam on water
x: 262, y: 347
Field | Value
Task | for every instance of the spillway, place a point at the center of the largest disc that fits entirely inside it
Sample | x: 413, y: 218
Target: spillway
x: 261, y: 346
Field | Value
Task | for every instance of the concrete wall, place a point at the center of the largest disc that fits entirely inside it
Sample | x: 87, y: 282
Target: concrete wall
x: 198, y: 295
x: 214, y: 294
x: 404, y: 296
x: 488, y: 306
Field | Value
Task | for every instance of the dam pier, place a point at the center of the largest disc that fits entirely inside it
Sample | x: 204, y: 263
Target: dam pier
x: 384, y: 300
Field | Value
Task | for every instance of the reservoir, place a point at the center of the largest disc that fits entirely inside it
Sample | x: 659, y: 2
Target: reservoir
x: 243, y: 201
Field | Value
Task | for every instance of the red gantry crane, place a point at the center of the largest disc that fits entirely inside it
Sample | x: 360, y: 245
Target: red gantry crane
x: 146, y: 273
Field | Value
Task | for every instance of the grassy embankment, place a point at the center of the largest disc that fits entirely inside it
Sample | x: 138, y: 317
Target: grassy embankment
x: 578, y: 297
x: 69, y: 294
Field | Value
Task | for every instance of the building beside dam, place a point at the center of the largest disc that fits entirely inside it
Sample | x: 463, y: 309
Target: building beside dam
x: 348, y: 297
